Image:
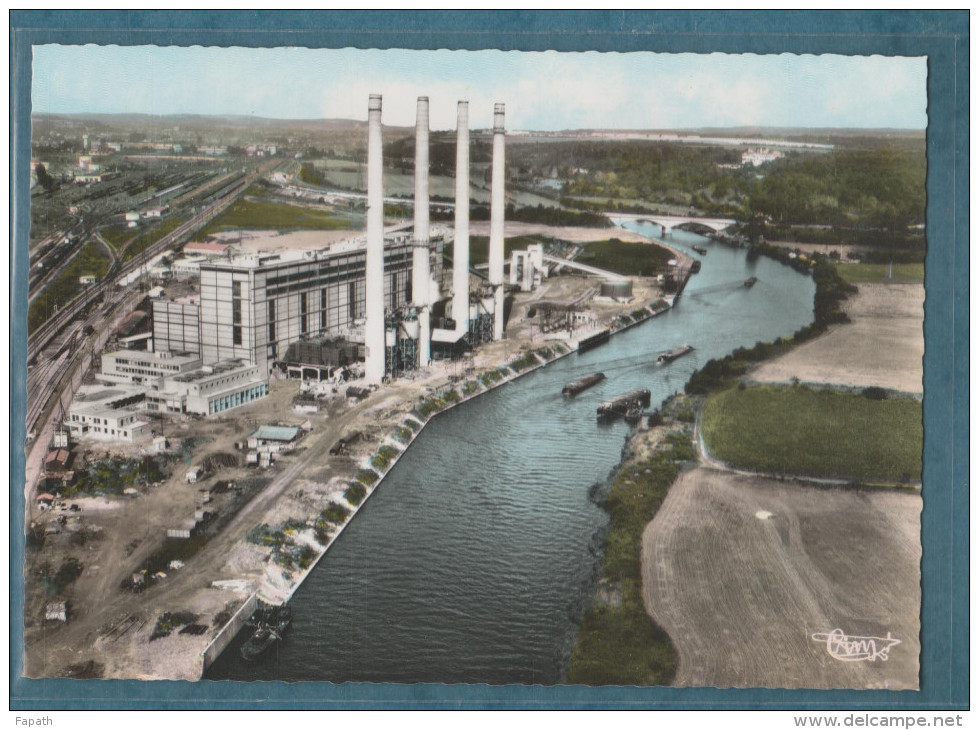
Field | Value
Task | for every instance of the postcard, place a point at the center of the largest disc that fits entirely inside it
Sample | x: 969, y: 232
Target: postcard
x: 452, y: 367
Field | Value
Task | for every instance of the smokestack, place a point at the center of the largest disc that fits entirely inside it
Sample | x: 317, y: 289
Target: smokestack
x: 460, y: 248
x: 497, y: 207
x: 420, y: 269
x: 374, y: 330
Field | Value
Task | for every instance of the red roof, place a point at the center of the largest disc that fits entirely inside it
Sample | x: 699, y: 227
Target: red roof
x: 59, y: 455
x: 45, y: 497
x: 206, y: 247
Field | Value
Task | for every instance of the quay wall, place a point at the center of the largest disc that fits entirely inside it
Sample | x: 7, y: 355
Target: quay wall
x: 228, y: 632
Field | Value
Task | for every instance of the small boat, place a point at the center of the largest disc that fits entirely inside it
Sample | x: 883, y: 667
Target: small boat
x: 750, y: 282
x: 700, y: 249
x: 576, y: 386
x: 695, y: 266
x: 258, y: 644
x: 671, y: 355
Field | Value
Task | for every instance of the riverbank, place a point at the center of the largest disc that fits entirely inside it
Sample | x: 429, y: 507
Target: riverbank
x: 730, y: 557
x: 603, y: 654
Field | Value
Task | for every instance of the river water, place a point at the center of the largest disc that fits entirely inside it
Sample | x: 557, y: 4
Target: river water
x: 478, y: 552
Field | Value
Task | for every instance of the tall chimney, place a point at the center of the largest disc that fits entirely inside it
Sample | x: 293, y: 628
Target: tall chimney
x: 460, y: 248
x: 420, y: 269
x: 497, y: 207
x: 374, y: 329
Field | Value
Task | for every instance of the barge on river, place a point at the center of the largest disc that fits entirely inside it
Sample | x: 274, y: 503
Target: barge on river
x: 700, y: 249
x: 626, y: 404
x: 576, y: 386
x: 671, y: 355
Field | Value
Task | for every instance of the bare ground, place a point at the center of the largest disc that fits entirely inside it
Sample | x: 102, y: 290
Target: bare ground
x: 883, y: 345
x: 742, y: 571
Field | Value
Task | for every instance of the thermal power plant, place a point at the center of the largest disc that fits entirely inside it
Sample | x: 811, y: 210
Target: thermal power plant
x: 421, y: 294
x: 460, y: 248
x: 497, y: 206
x: 374, y: 338
x: 379, y: 298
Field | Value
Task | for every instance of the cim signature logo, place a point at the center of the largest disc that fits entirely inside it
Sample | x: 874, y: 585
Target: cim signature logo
x: 857, y: 648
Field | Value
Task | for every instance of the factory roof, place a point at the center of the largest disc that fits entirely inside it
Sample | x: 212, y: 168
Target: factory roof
x: 100, y: 394
x: 203, y: 247
x: 130, y: 323
x: 275, y: 433
x: 177, y: 358
x: 296, y: 256
x: 210, y: 371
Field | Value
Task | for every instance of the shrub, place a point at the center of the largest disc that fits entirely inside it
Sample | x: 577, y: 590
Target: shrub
x: 367, y: 477
x: 874, y: 393
x: 355, y: 493
x: 335, y: 513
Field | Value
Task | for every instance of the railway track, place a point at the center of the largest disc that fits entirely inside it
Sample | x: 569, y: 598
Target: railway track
x: 51, y: 327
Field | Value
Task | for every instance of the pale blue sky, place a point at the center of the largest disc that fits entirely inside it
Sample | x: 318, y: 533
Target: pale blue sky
x: 546, y: 91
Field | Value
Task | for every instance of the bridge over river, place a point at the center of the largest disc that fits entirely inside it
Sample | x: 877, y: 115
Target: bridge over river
x: 669, y: 222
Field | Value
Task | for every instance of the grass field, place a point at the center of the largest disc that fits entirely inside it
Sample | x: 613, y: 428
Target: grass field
x: 90, y: 260
x: 903, y: 273
x: 628, y: 259
x: 479, y: 247
x: 618, y: 643
x: 146, y: 239
x: 117, y: 236
x: 257, y: 214
x: 819, y: 433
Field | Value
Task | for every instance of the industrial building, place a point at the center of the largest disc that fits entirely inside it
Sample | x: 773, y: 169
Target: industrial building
x: 373, y: 295
x: 106, y: 413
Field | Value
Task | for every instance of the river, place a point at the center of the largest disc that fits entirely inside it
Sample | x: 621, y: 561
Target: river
x: 478, y: 552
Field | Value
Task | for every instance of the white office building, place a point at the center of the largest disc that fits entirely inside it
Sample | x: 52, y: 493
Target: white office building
x: 107, y: 413
x: 136, y: 367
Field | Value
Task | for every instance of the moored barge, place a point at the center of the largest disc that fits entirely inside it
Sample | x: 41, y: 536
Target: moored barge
x: 624, y: 404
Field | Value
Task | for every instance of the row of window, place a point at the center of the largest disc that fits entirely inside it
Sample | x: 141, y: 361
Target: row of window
x: 237, y: 399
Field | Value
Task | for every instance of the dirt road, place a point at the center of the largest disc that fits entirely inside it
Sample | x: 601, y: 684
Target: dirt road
x: 742, y: 572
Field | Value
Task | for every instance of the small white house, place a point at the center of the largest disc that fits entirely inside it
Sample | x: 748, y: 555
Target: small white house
x: 87, y: 279
x: 160, y: 444
x: 194, y: 474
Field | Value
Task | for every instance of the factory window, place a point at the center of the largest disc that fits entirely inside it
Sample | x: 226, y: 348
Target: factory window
x: 272, y: 320
x: 303, y: 323
x: 236, y: 335
x: 236, y: 311
x: 236, y: 289
x: 322, y: 309
x: 394, y: 291
x: 352, y: 300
